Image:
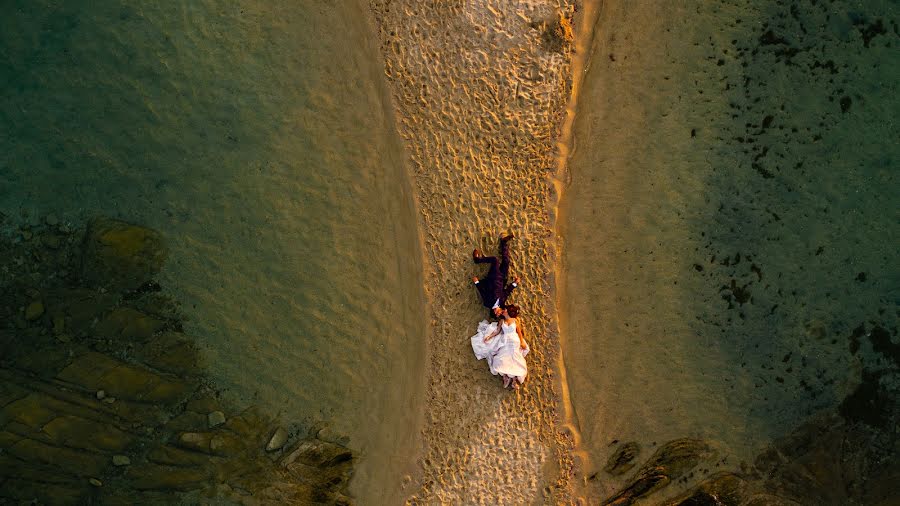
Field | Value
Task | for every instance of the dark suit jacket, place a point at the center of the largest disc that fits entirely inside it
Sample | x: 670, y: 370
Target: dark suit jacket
x: 491, y: 290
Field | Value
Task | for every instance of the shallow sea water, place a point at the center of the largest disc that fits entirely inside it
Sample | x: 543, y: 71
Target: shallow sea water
x: 731, y: 219
x: 257, y: 138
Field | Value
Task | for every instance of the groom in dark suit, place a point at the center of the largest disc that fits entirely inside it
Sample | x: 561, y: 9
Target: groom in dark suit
x: 492, y: 287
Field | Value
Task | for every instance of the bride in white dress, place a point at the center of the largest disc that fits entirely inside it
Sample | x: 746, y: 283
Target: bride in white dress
x: 505, y: 355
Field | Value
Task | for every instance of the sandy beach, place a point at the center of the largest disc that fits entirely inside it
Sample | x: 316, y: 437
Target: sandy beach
x: 481, y: 92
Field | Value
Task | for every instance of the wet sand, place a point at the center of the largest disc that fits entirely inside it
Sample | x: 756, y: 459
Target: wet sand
x: 481, y: 92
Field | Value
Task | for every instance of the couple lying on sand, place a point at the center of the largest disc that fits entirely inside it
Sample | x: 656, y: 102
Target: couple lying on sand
x: 500, y: 343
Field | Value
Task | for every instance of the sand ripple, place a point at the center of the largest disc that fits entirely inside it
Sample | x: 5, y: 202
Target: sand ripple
x: 480, y: 96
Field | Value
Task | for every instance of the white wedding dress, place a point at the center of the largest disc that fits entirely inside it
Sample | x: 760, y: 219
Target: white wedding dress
x: 503, y: 353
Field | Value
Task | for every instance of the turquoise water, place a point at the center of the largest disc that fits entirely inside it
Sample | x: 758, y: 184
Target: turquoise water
x: 257, y: 138
x: 731, y: 221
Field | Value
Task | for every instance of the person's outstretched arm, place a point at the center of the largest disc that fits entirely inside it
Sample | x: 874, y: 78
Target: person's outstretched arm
x: 494, y: 333
x: 510, y: 287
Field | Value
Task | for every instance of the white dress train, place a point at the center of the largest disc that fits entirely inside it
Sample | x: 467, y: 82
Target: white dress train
x: 503, y: 353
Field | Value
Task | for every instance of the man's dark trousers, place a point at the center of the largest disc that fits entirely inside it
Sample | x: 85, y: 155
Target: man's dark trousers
x: 492, y: 286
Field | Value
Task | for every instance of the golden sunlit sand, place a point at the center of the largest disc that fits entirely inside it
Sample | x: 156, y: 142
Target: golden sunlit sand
x: 480, y: 92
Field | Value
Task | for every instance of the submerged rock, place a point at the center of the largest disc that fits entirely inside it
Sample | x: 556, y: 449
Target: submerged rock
x: 127, y: 323
x: 278, y: 439
x: 120, y: 255
x: 51, y: 241
x: 670, y: 462
x: 59, y: 324
x: 84, y: 433
x: 156, y: 477
x: 727, y: 489
x: 121, y: 460
x: 330, y: 435
x: 34, y: 310
x: 622, y: 459
x: 831, y: 461
x: 197, y: 441
x: 215, y: 419
x: 722, y: 489
x: 317, y: 453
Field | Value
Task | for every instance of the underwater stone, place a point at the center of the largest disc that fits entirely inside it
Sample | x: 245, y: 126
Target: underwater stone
x: 216, y: 444
x: 721, y: 488
x: 194, y: 440
x: 59, y: 324
x: 127, y: 323
x: 622, y: 459
x: 69, y: 461
x: 34, y: 310
x: 172, y: 352
x: 156, y: 477
x: 33, y: 410
x: 317, y: 453
x: 328, y: 434
x: 187, y: 421
x: 215, y: 419
x: 121, y: 460
x: 170, y: 455
x: 278, y: 439
x: 669, y: 463
x: 203, y: 442
x: 86, y: 434
x: 224, y: 444
x: 50, y: 240
x: 202, y: 405
x: 121, y: 255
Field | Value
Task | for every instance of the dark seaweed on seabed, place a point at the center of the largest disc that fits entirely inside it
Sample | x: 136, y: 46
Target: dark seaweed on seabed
x: 769, y: 196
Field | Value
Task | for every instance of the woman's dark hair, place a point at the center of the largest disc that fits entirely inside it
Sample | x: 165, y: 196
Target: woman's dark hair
x: 512, y: 310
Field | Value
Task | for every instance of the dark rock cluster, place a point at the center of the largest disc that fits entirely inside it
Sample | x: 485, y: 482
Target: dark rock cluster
x: 851, y: 458
x: 103, y: 399
x: 669, y: 463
